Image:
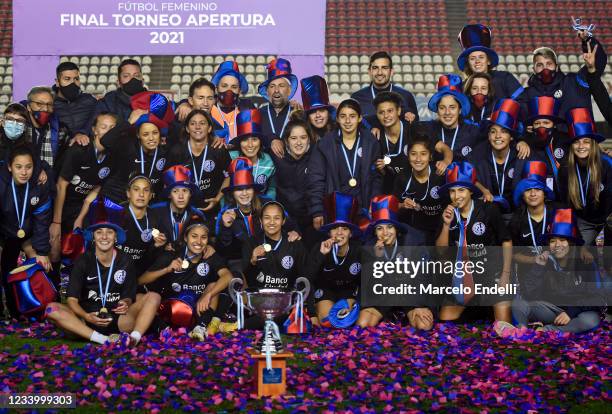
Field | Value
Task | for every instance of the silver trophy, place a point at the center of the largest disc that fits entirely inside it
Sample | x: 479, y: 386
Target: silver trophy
x: 268, y: 304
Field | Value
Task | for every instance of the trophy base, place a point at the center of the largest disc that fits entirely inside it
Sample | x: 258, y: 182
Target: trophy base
x: 269, y: 383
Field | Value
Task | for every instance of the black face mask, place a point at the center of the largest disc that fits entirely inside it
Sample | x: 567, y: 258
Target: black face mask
x: 227, y: 99
x: 133, y: 87
x: 70, y: 92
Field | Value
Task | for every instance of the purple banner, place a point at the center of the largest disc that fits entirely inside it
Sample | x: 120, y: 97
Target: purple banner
x: 112, y: 27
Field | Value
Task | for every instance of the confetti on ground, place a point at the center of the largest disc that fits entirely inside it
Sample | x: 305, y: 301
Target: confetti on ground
x: 454, y: 368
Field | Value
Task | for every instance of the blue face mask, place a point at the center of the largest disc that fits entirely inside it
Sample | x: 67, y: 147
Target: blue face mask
x: 13, y: 129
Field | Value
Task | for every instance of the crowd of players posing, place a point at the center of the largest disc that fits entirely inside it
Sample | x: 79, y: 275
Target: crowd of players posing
x: 176, y: 200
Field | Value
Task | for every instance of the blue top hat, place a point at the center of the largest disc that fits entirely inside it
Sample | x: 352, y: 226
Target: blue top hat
x: 533, y: 176
x: 241, y: 175
x: 581, y: 125
x: 248, y: 124
x: 384, y: 209
x: 279, y: 68
x: 230, y: 68
x: 315, y: 94
x: 105, y: 213
x: 460, y: 174
x: 178, y: 176
x: 450, y: 84
x: 474, y: 38
x: 563, y: 225
x: 341, y: 210
x: 544, y: 107
x: 506, y: 114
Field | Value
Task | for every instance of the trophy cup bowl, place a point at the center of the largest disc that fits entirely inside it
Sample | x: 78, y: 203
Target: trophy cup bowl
x: 268, y: 304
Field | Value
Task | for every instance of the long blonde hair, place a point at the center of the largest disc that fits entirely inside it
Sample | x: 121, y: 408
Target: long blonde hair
x: 573, y: 185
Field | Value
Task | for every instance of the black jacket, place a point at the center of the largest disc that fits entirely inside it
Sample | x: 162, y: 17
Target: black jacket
x: 291, y: 177
x: 77, y: 114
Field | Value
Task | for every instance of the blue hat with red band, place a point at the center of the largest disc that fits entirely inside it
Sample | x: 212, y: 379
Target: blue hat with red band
x: 533, y: 176
x: 104, y: 213
x: 240, y: 171
x: 160, y: 110
x: 460, y: 174
x: 563, y: 225
x: 450, y: 84
x: 179, y: 176
x: 383, y: 210
x: 506, y: 114
x: 475, y: 38
x: 279, y: 68
x: 580, y: 125
x: 248, y: 124
x: 315, y: 94
x: 230, y: 68
x: 544, y: 107
x: 341, y: 210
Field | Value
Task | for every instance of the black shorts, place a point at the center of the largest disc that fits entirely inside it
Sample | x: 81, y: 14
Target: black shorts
x: 111, y: 328
x: 334, y: 294
x: 70, y: 212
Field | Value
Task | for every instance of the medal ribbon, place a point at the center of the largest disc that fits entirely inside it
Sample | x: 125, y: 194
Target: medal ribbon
x: 195, y: 171
x: 20, y: 220
x: 346, y: 159
x: 583, y: 189
x: 462, y: 256
x: 426, y: 191
x: 142, y: 162
x: 533, y: 239
x: 104, y: 295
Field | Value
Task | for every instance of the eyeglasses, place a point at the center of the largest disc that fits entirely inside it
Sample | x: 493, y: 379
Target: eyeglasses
x: 43, y: 104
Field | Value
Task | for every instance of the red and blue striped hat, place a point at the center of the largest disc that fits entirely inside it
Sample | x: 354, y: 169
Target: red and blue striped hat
x: 474, y: 38
x: 383, y: 210
x: 248, y: 124
x: 178, y: 176
x: 460, y: 174
x: 240, y: 171
x: 315, y: 94
x: 341, y: 210
x: 564, y: 225
x: 506, y: 114
x: 580, y: 125
x: 160, y: 111
x: 544, y: 107
x: 533, y: 176
x: 230, y: 68
x: 278, y: 68
x: 450, y: 84
x: 104, y: 213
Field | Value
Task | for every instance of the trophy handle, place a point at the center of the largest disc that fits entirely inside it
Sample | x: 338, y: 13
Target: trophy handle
x: 306, y: 290
x: 234, y: 287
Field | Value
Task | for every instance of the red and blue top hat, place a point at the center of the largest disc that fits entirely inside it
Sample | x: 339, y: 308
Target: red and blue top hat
x: 241, y: 175
x: 383, y: 209
x: 506, y: 114
x: 450, y: 84
x: 580, y: 125
x: 474, y: 38
x: 248, y: 124
x: 460, y: 174
x: 563, y: 225
x: 341, y: 210
x: 279, y: 68
x: 230, y: 68
x: 105, y: 213
x: 544, y: 107
x: 160, y: 111
x: 533, y: 176
x: 178, y: 176
x: 315, y: 94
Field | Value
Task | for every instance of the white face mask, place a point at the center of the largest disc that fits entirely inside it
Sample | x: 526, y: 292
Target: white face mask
x: 13, y: 129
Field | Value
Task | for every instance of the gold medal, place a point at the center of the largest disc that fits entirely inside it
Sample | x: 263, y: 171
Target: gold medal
x: 103, y: 310
x: 387, y: 160
x: 155, y: 232
x: 353, y: 182
x: 21, y: 233
x: 267, y: 247
x: 185, y: 264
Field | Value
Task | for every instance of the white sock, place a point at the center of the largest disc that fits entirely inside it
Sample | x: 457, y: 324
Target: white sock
x: 135, y: 335
x: 98, y: 337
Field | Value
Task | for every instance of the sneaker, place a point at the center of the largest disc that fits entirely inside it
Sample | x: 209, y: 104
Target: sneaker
x: 503, y: 329
x: 213, y: 326
x: 228, y: 327
x: 198, y: 333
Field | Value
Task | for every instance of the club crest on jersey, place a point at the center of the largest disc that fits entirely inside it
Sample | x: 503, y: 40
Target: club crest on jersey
x: 434, y: 192
x: 34, y: 200
x: 203, y: 269
x: 75, y: 180
x: 160, y: 164
x: 318, y: 293
x: 209, y: 165
x: 466, y: 150
x: 558, y: 93
x: 261, y: 179
x: 104, y: 172
x: 176, y: 287
x: 511, y: 173
x: 479, y: 228
x: 559, y: 153
x: 287, y: 262
x: 355, y: 268
x: 120, y: 276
